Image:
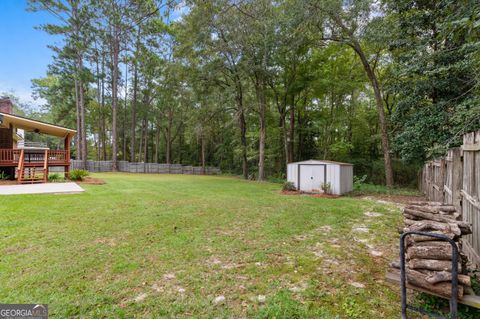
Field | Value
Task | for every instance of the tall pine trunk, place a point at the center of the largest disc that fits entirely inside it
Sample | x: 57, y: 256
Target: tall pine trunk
x: 115, y: 55
x: 381, y: 113
x: 134, y: 102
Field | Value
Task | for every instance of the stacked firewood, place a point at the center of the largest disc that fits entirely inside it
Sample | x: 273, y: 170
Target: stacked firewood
x: 429, y: 260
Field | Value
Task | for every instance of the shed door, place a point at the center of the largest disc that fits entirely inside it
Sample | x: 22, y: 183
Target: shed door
x: 311, y: 177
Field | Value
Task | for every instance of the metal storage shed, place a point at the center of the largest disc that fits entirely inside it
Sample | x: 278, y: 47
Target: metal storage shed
x: 309, y: 176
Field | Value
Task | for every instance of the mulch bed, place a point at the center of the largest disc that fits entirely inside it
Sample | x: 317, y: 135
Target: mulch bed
x: 318, y: 195
x: 92, y: 181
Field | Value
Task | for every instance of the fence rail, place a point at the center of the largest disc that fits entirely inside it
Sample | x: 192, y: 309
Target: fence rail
x: 455, y: 179
x: 152, y: 168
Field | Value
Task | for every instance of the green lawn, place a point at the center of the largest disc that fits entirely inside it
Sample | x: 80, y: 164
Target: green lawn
x: 151, y: 246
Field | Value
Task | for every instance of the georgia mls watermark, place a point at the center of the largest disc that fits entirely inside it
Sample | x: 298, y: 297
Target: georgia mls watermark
x: 23, y: 311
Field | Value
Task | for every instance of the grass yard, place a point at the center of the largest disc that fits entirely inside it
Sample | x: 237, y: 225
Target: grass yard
x: 152, y: 246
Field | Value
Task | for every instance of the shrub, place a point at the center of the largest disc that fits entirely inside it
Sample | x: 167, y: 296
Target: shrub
x: 358, y: 181
x: 288, y: 186
x: 55, y: 177
x: 4, y: 177
x: 326, y: 188
x: 78, y: 174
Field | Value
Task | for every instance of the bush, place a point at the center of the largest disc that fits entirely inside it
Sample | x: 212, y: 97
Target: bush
x: 288, y: 186
x: 326, y: 188
x: 358, y: 181
x: 78, y: 174
x: 55, y: 177
x: 4, y: 177
x: 405, y: 174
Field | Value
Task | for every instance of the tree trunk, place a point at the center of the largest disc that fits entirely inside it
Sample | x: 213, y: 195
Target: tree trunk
x: 381, y: 113
x: 145, y: 142
x: 116, y: 52
x: 291, y: 133
x: 134, y: 102
x: 243, y: 130
x: 99, y: 102
x: 78, y: 138
x: 124, y: 126
x: 203, y: 153
x: 157, y: 142
x: 261, y: 100
x: 142, y: 138
x: 104, y: 124
x: 284, y: 138
x: 81, y: 105
x: 168, y: 138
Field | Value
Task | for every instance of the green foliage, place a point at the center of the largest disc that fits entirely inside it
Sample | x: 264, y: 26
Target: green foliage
x: 326, y: 188
x: 352, y: 309
x: 358, y: 181
x: 211, y: 96
x: 440, y: 305
x: 282, y: 306
x: 366, y: 188
x: 434, y: 74
x: 405, y: 173
x: 4, y: 176
x: 55, y: 177
x: 78, y: 174
x: 288, y: 186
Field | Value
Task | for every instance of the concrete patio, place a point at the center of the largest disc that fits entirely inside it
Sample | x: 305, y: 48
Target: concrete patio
x: 43, y: 188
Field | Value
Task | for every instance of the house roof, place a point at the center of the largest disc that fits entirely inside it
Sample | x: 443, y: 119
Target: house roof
x: 322, y: 162
x: 34, y: 125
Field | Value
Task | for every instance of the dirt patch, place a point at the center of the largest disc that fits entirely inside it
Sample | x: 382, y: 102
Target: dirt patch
x: 319, y: 195
x: 398, y: 199
x: 8, y: 182
x: 92, y: 181
x: 291, y: 193
x: 324, y: 195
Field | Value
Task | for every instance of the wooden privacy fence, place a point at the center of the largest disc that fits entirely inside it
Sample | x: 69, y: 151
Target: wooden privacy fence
x: 154, y: 168
x: 455, y: 179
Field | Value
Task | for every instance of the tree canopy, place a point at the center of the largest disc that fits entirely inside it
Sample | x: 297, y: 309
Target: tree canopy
x: 250, y: 86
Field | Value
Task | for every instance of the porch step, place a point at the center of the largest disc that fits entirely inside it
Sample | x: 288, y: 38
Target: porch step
x: 32, y: 181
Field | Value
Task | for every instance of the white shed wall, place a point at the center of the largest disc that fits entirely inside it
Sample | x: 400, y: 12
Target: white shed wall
x: 292, y: 173
x: 339, y: 176
x: 346, y: 179
x: 333, y: 177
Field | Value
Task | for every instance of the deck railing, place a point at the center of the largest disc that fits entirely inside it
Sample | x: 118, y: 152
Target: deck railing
x: 55, y: 157
x: 58, y: 156
x: 9, y: 156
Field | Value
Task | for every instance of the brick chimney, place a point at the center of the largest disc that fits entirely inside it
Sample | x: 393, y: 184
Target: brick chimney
x: 6, y: 105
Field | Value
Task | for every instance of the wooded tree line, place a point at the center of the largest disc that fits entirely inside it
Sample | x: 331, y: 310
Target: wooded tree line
x: 252, y: 85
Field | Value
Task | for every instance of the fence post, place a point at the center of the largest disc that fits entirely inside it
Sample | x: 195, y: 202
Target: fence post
x: 457, y: 178
x: 441, y: 186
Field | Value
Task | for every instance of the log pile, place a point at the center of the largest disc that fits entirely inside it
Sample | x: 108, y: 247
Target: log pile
x: 429, y: 260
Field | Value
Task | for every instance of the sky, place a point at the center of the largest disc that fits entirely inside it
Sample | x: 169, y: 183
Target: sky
x: 24, y: 54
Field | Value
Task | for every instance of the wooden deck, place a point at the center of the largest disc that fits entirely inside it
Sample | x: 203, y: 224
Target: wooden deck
x: 33, y: 164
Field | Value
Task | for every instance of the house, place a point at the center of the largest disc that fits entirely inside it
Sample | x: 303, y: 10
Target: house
x: 311, y: 175
x: 26, y: 161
